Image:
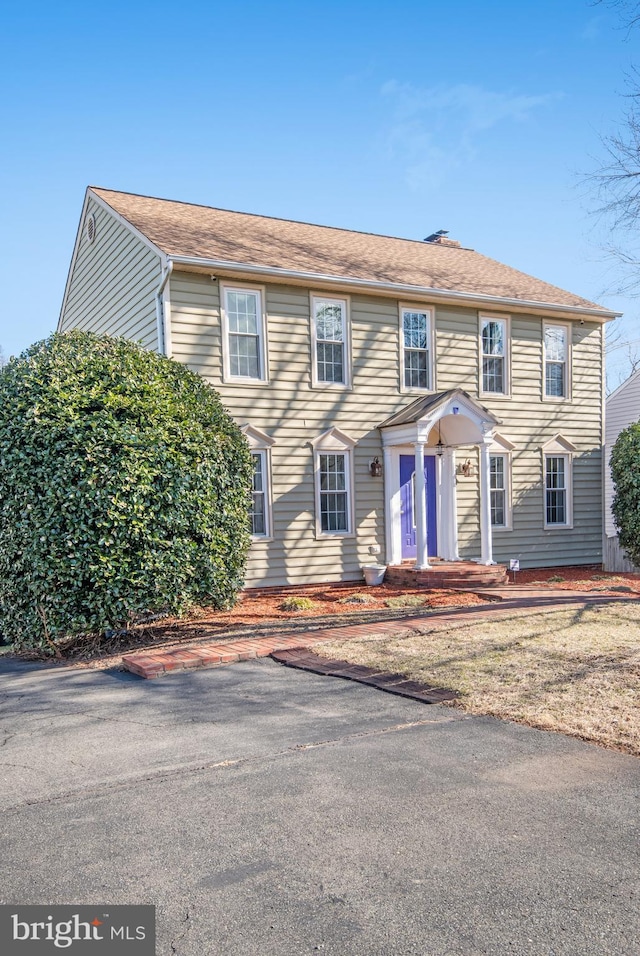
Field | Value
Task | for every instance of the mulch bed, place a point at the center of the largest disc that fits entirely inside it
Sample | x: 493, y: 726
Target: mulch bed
x: 258, y: 613
x: 578, y: 579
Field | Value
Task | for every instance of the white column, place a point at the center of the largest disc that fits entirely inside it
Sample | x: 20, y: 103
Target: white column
x: 486, y: 546
x: 390, y: 517
x: 444, y: 497
x: 448, y: 525
x: 455, y: 554
x: 422, y: 560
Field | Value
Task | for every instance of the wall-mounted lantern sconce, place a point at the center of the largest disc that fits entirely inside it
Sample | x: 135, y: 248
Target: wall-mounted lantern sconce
x: 465, y: 469
x: 375, y: 468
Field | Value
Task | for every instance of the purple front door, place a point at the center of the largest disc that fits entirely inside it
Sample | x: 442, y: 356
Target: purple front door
x: 407, y: 505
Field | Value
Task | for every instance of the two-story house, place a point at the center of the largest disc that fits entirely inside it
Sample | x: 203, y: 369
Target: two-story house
x: 403, y: 399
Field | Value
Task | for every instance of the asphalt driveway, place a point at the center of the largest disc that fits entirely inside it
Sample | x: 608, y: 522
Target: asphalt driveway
x: 270, y: 811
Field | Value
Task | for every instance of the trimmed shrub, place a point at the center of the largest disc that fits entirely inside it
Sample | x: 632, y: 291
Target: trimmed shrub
x: 625, y: 471
x: 297, y: 604
x: 124, y: 490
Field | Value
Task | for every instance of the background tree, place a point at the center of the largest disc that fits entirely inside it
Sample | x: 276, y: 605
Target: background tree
x: 124, y: 490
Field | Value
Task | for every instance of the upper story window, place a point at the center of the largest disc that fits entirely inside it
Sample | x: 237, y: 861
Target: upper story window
x: 494, y: 353
x: 330, y: 341
x: 416, y: 348
x: 244, y: 339
x: 556, y: 361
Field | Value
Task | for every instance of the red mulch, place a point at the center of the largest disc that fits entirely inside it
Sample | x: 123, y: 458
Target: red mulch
x: 577, y: 579
x: 259, y: 611
x: 259, y: 606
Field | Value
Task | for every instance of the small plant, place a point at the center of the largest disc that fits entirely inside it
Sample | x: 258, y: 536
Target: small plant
x: 556, y: 579
x: 298, y: 604
x: 406, y: 600
x: 357, y: 599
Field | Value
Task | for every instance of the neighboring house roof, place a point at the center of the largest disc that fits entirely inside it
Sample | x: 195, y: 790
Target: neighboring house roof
x: 186, y: 232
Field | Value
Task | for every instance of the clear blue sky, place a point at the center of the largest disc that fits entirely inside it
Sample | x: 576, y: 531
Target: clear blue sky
x: 399, y: 118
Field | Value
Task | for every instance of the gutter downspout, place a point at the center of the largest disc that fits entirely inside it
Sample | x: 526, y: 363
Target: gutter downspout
x: 163, y: 325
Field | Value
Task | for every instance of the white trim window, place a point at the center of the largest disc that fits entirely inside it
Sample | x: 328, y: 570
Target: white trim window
x: 259, y: 514
x: 498, y: 489
x: 330, y: 341
x: 244, y: 339
x: 333, y: 471
x: 557, y: 491
x: 500, y: 462
x: 333, y: 479
x: 494, y: 355
x: 556, y: 361
x: 416, y: 354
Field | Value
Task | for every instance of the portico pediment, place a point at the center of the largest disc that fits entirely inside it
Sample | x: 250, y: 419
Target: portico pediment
x: 460, y: 420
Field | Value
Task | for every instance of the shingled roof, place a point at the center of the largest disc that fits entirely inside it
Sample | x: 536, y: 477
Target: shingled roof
x: 186, y: 231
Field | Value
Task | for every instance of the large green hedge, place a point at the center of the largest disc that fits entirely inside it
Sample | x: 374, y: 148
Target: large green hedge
x: 625, y: 471
x: 124, y: 489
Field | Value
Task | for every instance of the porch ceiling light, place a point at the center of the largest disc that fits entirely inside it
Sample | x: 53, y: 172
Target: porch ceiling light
x: 440, y: 446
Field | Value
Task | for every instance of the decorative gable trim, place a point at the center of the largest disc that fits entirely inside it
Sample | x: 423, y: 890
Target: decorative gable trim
x: 257, y: 439
x: 500, y: 444
x: 559, y: 445
x: 333, y: 440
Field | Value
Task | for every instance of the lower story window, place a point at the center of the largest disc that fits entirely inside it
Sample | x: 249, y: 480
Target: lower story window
x: 334, y: 494
x: 258, y: 515
x: 498, y: 489
x: 556, y: 489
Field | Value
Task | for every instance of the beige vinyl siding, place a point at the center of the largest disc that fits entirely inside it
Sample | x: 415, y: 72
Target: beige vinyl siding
x: 113, y: 283
x: 293, y: 413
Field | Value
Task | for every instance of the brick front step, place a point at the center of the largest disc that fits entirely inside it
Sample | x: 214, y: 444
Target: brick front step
x: 455, y: 574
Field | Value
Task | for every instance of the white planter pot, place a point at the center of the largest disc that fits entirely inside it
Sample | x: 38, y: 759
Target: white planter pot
x: 374, y: 574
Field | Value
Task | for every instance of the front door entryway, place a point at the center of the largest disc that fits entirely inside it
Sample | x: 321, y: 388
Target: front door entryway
x: 407, y: 505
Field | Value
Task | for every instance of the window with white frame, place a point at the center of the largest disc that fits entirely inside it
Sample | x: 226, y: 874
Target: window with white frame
x: 334, y: 495
x: 333, y: 452
x: 244, y: 337
x: 498, y: 490
x: 331, y: 364
x: 494, y: 350
x: 415, y: 338
x: 259, y: 510
x: 260, y: 443
x: 556, y: 489
x: 556, y: 361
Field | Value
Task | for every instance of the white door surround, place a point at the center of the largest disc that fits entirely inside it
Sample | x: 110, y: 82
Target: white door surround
x: 437, y: 425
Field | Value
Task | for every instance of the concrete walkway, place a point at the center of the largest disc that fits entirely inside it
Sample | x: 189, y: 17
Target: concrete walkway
x: 503, y: 602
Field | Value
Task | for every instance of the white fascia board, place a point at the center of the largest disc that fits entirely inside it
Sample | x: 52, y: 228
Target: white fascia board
x: 399, y: 289
x: 90, y: 194
x: 125, y: 222
x: 74, y: 256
